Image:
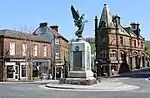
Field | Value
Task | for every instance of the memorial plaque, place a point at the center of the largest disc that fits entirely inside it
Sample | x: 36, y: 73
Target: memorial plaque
x: 77, y: 60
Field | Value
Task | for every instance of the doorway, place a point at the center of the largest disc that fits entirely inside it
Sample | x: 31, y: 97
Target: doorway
x: 16, y: 72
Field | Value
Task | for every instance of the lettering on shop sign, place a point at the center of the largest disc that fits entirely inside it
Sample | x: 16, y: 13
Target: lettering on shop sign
x: 17, y: 60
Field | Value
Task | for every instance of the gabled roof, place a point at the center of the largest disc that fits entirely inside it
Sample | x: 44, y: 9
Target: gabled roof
x: 21, y: 35
x: 58, y: 35
x: 107, y: 21
x: 122, y: 31
x: 54, y: 32
x: 106, y: 17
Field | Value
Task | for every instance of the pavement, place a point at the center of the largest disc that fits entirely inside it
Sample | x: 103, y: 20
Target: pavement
x: 31, y: 82
x: 105, y: 85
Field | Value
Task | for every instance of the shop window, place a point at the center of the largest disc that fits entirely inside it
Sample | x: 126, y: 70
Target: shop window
x: 23, y: 71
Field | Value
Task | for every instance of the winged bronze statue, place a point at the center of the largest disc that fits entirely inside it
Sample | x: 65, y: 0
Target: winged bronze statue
x: 79, y: 21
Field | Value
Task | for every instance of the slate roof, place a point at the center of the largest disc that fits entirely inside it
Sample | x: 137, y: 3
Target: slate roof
x: 132, y: 34
x: 21, y: 35
x: 55, y: 33
x: 108, y: 19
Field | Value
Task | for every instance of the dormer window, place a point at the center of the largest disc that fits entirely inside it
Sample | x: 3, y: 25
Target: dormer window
x: 103, y: 24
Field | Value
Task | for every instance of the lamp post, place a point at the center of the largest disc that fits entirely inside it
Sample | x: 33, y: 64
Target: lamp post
x: 53, y: 56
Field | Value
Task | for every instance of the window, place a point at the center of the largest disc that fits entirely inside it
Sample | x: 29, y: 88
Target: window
x: 45, y: 51
x: 12, y: 48
x: 113, y: 53
x: 23, y: 71
x: 57, y: 54
x: 24, y: 49
x: 103, y: 24
x: 57, y: 41
x: 134, y: 43
x: 121, y: 40
x: 35, y: 50
x: 104, y: 54
x: 141, y: 44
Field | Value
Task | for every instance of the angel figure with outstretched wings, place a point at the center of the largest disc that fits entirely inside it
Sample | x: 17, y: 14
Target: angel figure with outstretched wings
x: 79, y: 21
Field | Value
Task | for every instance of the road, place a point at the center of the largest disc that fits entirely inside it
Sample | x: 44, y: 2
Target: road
x: 34, y: 91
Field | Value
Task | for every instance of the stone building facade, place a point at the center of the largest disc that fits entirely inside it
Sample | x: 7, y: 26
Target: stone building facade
x: 18, y: 54
x: 118, y: 48
x: 59, y: 48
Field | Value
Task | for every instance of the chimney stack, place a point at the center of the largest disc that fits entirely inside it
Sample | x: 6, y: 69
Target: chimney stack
x: 44, y: 24
x: 116, y: 19
x: 54, y: 27
x: 136, y: 28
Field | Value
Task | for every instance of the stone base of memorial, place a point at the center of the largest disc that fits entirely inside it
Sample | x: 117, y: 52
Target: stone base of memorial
x: 80, y: 65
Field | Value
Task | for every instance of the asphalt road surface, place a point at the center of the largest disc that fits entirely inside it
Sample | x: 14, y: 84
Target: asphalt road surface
x: 34, y: 91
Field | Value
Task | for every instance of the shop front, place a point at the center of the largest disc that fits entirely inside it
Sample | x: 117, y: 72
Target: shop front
x: 16, y: 69
x: 41, y: 67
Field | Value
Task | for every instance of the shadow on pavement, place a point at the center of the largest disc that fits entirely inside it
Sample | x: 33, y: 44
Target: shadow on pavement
x: 140, y: 73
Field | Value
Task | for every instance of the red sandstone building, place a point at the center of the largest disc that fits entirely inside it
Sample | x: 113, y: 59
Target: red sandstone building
x: 18, y: 54
x: 117, y: 47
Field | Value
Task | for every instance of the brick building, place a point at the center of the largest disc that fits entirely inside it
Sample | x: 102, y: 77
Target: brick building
x: 59, y: 49
x: 18, y: 54
x: 117, y: 47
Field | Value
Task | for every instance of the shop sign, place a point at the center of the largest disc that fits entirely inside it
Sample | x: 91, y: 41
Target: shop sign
x: 40, y: 60
x: 19, y: 60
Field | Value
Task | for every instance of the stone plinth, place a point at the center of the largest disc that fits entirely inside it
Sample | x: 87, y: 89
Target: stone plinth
x: 80, y: 64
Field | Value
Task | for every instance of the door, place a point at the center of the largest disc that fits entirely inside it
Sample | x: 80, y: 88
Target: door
x: 10, y: 71
x: 16, y: 72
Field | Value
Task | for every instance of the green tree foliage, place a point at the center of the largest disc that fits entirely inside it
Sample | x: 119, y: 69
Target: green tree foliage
x: 147, y: 46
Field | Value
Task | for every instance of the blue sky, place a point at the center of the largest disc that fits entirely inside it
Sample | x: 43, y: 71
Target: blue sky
x: 19, y: 13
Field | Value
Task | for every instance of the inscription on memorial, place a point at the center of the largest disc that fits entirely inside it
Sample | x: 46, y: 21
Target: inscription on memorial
x: 77, y: 61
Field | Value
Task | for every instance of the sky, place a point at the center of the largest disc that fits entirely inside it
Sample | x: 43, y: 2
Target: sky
x: 17, y: 14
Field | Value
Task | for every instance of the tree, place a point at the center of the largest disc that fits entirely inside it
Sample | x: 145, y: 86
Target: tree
x: 26, y: 37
